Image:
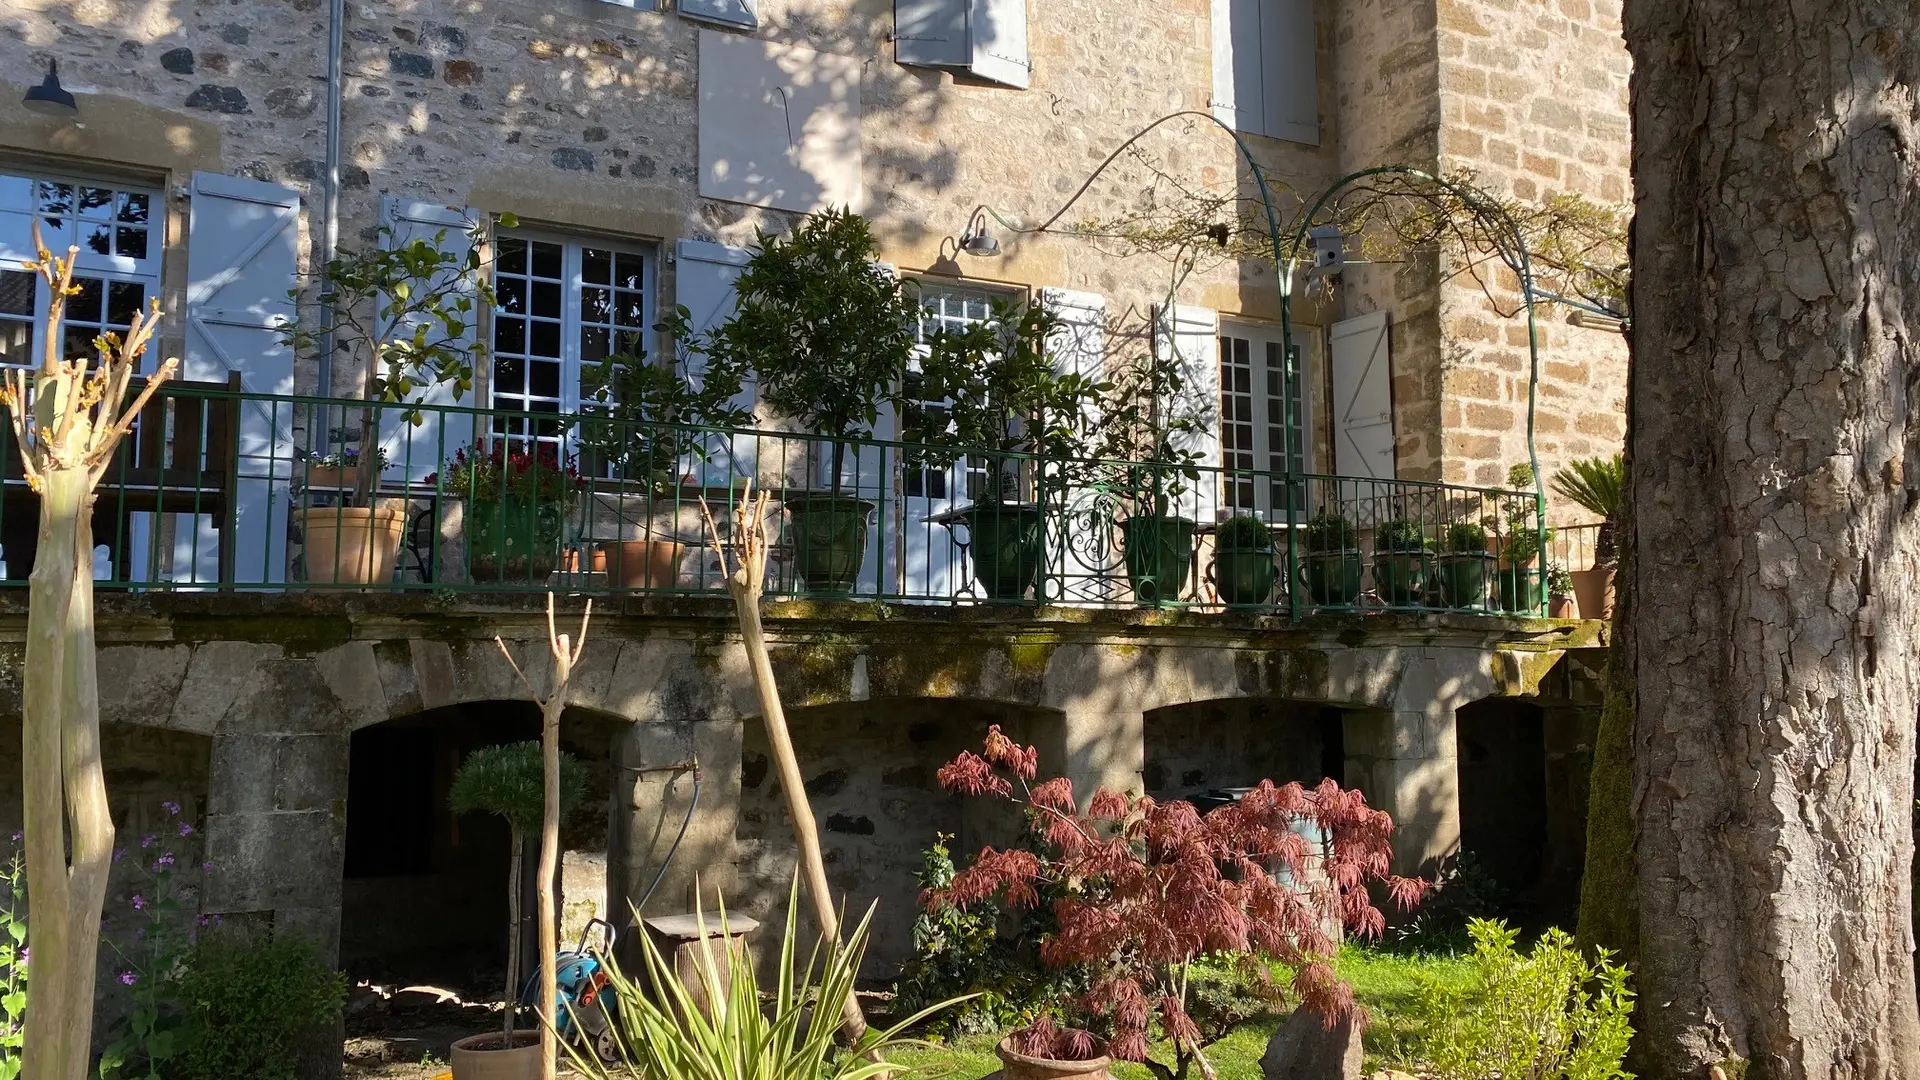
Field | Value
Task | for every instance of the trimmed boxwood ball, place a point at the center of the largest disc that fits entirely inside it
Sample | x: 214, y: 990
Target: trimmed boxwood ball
x: 506, y: 780
x: 1243, y: 532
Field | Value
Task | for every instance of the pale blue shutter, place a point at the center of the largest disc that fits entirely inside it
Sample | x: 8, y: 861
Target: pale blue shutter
x: 999, y: 38
x: 242, y: 247
x: 1191, y: 334
x: 703, y: 276
x: 930, y: 33
x: 739, y: 13
x: 1290, y: 99
x: 1238, y: 101
x: 986, y: 39
x: 1362, y: 397
x: 416, y: 451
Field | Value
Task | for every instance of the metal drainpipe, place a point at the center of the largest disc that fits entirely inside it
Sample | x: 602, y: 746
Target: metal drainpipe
x: 328, y: 243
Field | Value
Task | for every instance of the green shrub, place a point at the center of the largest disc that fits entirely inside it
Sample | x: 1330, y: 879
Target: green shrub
x: 1330, y: 532
x: 1465, y: 536
x: 250, y: 1003
x: 1243, y: 532
x: 1547, y: 1014
x: 1401, y: 535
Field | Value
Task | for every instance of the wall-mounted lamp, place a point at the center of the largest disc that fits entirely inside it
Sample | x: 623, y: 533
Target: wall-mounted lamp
x: 50, y: 98
x: 976, y: 240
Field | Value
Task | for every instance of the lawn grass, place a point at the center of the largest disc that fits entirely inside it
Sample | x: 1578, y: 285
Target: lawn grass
x: 1386, y: 983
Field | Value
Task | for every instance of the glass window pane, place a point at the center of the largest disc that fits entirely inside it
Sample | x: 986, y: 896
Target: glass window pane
x: 130, y: 242
x: 55, y: 200
x: 593, y: 344
x: 16, y: 341
x: 628, y: 269
x: 512, y: 295
x: 596, y: 305
x: 16, y: 292
x: 596, y: 266
x: 96, y: 202
x: 629, y: 344
x: 509, y: 375
x: 544, y: 379
x: 512, y: 257
x: 79, y: 341
x: 133, y: 208
x: 543, y: 339
x: 89, y: 302
x: 509, y: 334
x: 546, y: 260
x: 97, y: 238
x: 630, y: 309
x: 546, y: 299
x: 124, y: 300
x: 16, y: 192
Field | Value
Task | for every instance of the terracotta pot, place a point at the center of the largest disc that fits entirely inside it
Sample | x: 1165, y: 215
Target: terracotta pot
x: 1562, y: 607
x: 333, y: 476
x: 642, y: 564
x: 480, y: 1057
x: 1594, y: 590
x: 1021, y: 1067
x: 351, y: 545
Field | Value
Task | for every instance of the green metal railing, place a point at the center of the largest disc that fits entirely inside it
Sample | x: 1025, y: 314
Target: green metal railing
x: 217, y: 491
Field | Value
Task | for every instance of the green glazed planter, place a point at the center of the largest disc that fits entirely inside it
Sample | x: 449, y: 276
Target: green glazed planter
x: 1519, y: 588
x: 829, y: 541
x: 1401, y: 576
x: 1245, y: 575
x: 512, y: 540
x: 1005, y: 548
x: 1333, y: 577
x: 1463, y: 579
x: 1158, y: 550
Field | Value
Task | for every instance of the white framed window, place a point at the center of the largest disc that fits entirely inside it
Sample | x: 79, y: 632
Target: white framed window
x: 562, y: 306
x: 117, y: 269
x: 1256, y: 403
x: 944, y: 306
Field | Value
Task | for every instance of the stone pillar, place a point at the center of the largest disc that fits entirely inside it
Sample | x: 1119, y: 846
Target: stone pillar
x: 1569, y: 732
x: 653, y: 790
x: 1405, y: 761
x: 1101, y: 747
x: 276, y: 832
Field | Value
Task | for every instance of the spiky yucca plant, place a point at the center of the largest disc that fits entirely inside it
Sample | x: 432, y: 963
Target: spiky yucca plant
x: 666, y: 1034
x: 1595, y: 485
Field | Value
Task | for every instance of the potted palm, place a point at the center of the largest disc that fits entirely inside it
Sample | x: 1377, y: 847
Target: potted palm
x: 407, y: 312
x: 1463, y: 566
x: 517, y: 503
x: 1007, y: 408
x: 1595, y: 484
x: 1331, y: 564
x: 1153, y: 422
x: 507, y: 781
x: 827, y: 333
x: 1243, y: 567
x: 1402, y: 559
x: 646, y: 423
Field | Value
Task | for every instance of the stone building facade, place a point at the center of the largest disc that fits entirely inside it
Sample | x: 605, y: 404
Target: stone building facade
x: 628, y: 126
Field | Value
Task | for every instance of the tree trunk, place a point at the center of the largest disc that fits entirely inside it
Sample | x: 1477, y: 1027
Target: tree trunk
x: 1772, y: 644
x: 61, y: 764
x: 513, y: 939
x: 550, y: 710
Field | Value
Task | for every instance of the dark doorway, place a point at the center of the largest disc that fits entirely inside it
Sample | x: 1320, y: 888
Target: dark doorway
x: 1240, y: 742
x: 1503, y: 792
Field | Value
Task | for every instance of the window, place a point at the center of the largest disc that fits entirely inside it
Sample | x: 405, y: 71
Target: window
x: 1264, y: 78
x: 1255, y: 439
x: 942, y: 307
x: 563, y: 307
x: 117, y: 268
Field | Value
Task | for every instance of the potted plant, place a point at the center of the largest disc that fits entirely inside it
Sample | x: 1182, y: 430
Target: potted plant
x: 1595, y: 485
x: 1402, y: 559
x: 1522, y: 545
x: 1148, y: 449
x: 1463, y: 567
x: 508, y: 781
x: 517, y: 504
x: 407, y: 313
x: 341, y: 470
x: 1560, y: 598
x: 645, y: 423
x: 1008, y: 409
x: 1243, y: 567
x: 1331, y: 563
x: 827, y: 333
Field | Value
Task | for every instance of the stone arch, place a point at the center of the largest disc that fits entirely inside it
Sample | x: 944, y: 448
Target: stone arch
x: 1239, y: 741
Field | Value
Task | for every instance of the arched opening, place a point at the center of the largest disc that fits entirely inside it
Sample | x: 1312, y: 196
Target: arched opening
x: 424, y: 901
x: 1237, y: 742
x: 869, y: 769
x: 1504, y: 809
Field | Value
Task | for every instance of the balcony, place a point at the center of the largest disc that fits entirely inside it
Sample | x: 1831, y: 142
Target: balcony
x: 217, y: 491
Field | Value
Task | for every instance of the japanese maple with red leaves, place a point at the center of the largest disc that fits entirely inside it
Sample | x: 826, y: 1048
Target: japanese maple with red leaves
x: 1141, y: 889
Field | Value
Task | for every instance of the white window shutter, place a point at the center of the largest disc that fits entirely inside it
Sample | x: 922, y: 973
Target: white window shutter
x: 1290, y: 91
x: 1192, y: 334
x: 1362, y: 397
x: 930, y: 33
x: 703, y: 277
x: 1238, y: 101
x: 416, y: 451
x: 242, y: 247
x: 999, y: 36
x: 738, y: 13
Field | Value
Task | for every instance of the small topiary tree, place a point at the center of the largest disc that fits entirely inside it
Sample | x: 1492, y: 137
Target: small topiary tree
x: 508, y: 781
x: 1143, y: 889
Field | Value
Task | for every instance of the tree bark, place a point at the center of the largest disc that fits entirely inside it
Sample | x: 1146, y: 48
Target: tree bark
x: 513, y: 940
x: 1773, y: 534
x: 550, y: 710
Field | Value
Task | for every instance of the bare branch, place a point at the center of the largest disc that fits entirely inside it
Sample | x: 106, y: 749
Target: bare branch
x: 516, y: 670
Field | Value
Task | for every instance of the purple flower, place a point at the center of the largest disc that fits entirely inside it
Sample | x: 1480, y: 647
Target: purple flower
x: 139, y: 902
x: 164, y: 862
x: 140, y: 934
x: 172, y: 808
x: 18, y: 836
x: 206, y: 867
x: 119, y: 853
x: 186, y: 829
x: 149, y: 840
x: 128, y: 978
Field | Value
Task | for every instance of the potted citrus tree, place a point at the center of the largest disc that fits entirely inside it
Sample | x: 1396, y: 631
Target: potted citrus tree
x: 1595, y: 485
x: 1007, y: 409
x: 1153, y: 421
x: 1243, y: 568
x: 1402, y: 559
x: 1331, y: 562
x: 407, y: 313
x: 507, y: 781
x: 1463, y: 566
x: 827, y: 333
x: 645, y: 423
